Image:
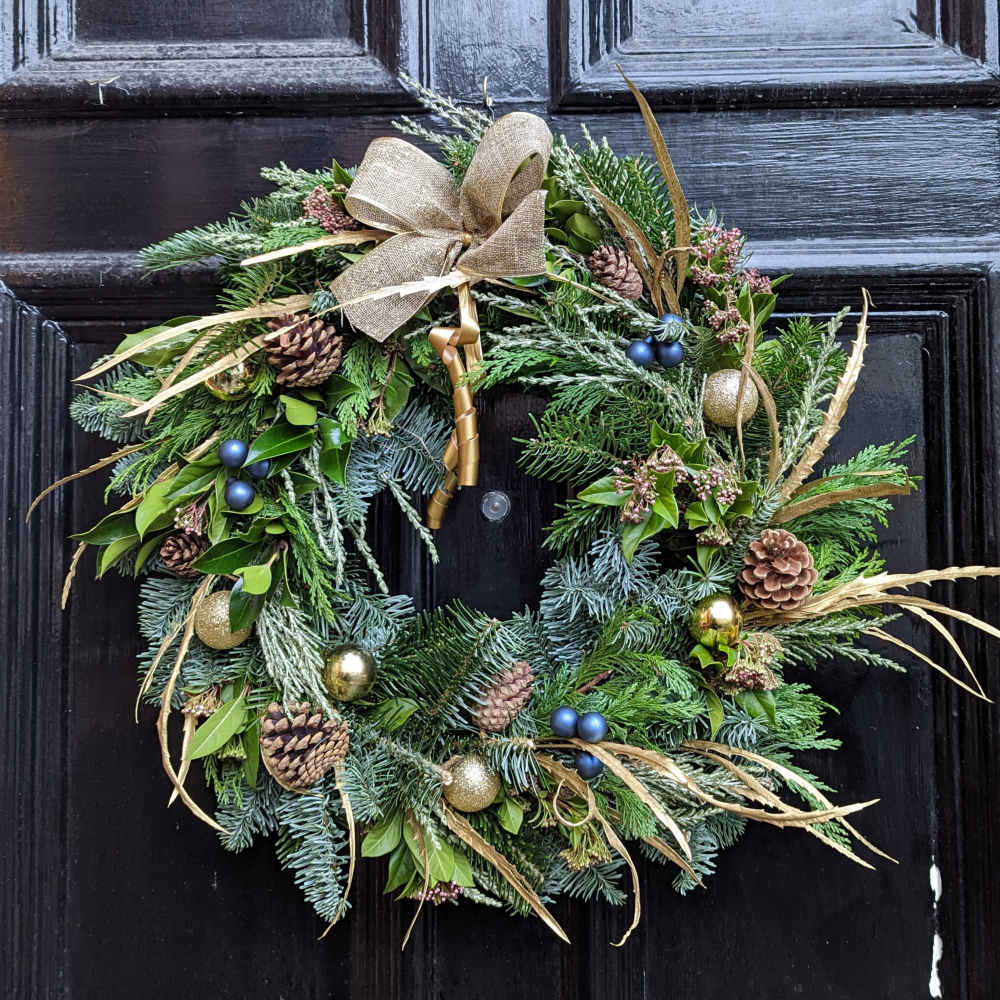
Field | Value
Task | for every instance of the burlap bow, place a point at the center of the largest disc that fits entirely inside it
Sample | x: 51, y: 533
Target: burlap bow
x: 498, y: 218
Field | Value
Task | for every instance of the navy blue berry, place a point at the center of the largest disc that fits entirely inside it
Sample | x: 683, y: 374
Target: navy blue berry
x: 233, y: 453
x: 239, y: 495
x: 587, y: 765
x: 640, y: 353
x: 670, y: 355
x: 592, y: 727
x: 563, y: 721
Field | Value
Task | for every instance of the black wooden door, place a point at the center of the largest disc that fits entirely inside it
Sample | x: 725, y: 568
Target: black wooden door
x: 857, y: 142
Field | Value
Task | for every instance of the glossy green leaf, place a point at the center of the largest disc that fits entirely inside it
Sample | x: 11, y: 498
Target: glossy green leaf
x: 757, y: 704
x: 154, y: 503
x: 150, y: 546
x: 704, y: 656
x: 666, y: 507
x: 716, y: 711
x: 194, y: 479
x: 636, y: 533
x: 159, y: 354
x: 336, y: 450
x: 695, y: 515
x: 217, y: 730
x: 281, y: 438
x: 277, y: 528
x: 302, y: 484
x: 298, y: 412
x: 562, y: 210
x: 116, y: 549
x: 383, y: 837
x: 510, y: 815
x: 397, y: 390
x: 110, y: 529
x: 258, y: 504
x: 401, y: 868
x: 251, y: 747
x: 603, y: 492
x: 393, y: 713
x: 461, y: 874
x: 227, y: 557
x: 338, y: 389
x: 256, y: 579
x: 244, y: 608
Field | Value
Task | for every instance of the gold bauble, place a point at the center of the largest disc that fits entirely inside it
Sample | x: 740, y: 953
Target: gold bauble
x: 348, y: 672
x: 233, y: 383
x: 716, y: 620
x: 722, y: 390
x: 211, y: 622
x: 473, y: 785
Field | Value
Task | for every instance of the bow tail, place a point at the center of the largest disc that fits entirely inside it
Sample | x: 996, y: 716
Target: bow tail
x: 461, y: 456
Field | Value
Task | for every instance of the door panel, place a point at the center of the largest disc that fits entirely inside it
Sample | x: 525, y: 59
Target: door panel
x: 854, y: 150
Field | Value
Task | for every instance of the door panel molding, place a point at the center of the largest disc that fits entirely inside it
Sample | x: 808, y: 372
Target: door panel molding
x: 48, y: 71
x: 946, y: 54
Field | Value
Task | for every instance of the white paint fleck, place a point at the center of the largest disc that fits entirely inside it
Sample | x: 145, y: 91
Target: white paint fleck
x: 936, y: 882
x: 935, y: 983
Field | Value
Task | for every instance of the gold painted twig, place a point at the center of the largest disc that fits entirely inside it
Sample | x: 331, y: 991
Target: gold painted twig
x: 461, y: 456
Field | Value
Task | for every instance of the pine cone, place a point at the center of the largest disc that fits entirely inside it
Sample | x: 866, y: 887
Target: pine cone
x: 180, y: 550
x: 614, y: 269
x: 304, y: 350
x: 505, y: 697
x: 300, y: 746
x: 779, y: 572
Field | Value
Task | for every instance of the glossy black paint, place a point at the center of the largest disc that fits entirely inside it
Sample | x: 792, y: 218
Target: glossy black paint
x: 874, y: 166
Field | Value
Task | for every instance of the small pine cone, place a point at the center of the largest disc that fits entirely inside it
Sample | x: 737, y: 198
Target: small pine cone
x: 304, y: 351
x: 320, y: 205
x: 180, y: 550
x: 614, y: 269
x: 299, y: 746
x: 779, y: 573
x: 505, y: 697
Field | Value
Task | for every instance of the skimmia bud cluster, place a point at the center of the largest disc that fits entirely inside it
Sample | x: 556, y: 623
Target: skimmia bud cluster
x: 443, y: 892
x: 191, y: 518
x: 759, y: 283
x: 713, y: 244
x: 640, y: 483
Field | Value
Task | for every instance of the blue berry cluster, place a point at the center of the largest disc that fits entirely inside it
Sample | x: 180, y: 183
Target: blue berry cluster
x: 591, y: 727
x: 232, y: 454
x: 668, y: 352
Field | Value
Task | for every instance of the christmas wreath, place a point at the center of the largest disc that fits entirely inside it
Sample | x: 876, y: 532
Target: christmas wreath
x: 641, y: 707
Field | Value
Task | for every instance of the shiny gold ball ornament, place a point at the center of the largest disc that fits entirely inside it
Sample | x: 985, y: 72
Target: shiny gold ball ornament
x: 233, y: 383
x: 211, y: 622
x: 349, y: 672
x: 722, y: 390
x: 473, y: 785
x: 716, y: 620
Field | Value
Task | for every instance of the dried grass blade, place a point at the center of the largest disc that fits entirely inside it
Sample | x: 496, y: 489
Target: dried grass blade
x: 418, y: 835
x: 147, y: 679
x: 68, y: 582
x: 352, y: 835
x: 745, y: 367
x: 774, y: 463
x: 881, y: 634
x: 822, y: 500
x: 657, y: 843
x: 109, y: 460
x: 274, y: 308
x: 461, y: 828
x: 682, y: 217
x: 837, y: 408
x: 348, y: 238
x: 949, y: 638
x: 240, y: 354
x: 190, y: 725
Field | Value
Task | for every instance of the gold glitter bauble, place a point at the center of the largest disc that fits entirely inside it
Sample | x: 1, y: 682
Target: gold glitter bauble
x: 211, y: 622
x: 716, y: 620
x: 234, y: 383
x: 722, y: 391
x: 348, y: 672
x: 473, y: 785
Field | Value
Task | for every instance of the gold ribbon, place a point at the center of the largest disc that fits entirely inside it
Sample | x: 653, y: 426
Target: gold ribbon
x: 498, y: 215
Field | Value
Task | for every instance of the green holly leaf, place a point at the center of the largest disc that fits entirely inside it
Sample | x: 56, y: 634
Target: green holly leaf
x: 636, y: 533
x: 383, y: 837
x: 335, y: 450
x: 510, y: 815
x: 216, y: 731
x: 603, y: 492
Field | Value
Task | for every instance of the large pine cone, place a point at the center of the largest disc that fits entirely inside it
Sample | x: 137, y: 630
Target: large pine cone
x: 180, y: 550
x: 779, y: 572
x: 304, y: 351
x: 299, y: 746
x: 614, y: 269
x: 505, y: 697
